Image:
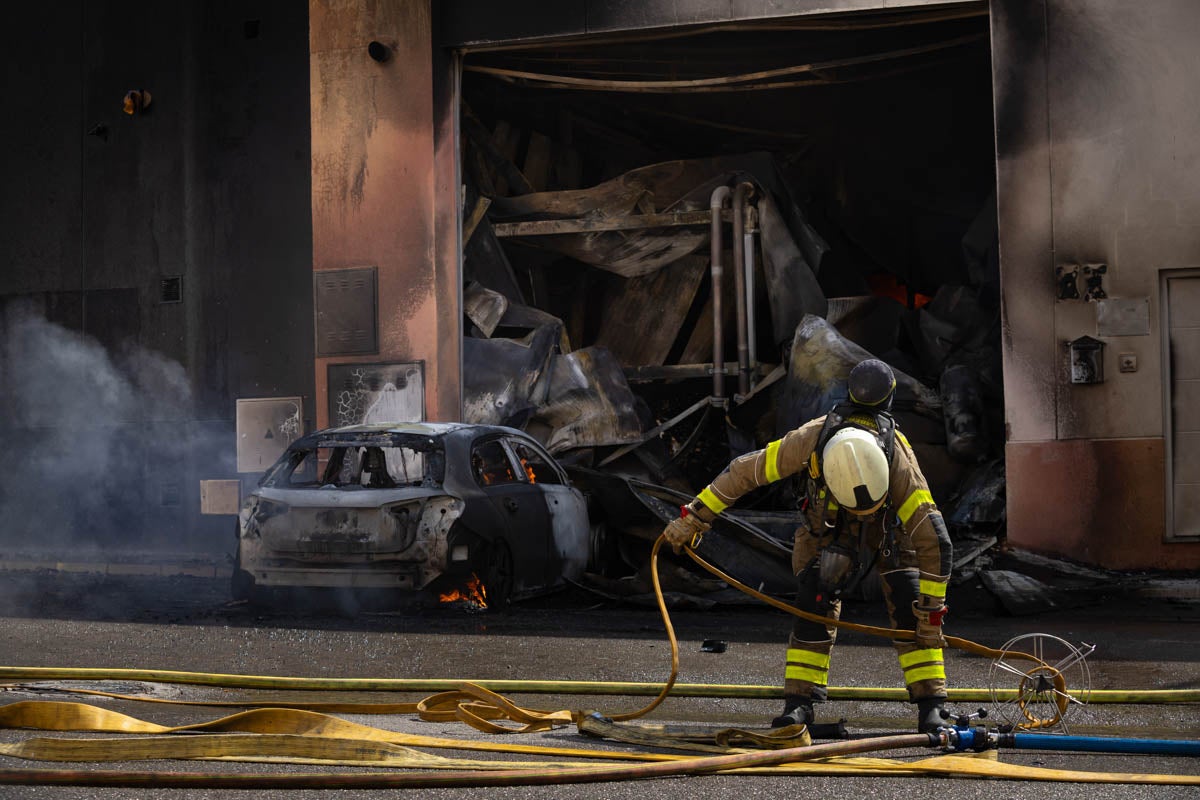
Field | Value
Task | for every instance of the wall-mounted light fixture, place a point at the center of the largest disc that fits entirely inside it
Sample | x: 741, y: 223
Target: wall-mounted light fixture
x: 136, y: 101
x: 379, y: 51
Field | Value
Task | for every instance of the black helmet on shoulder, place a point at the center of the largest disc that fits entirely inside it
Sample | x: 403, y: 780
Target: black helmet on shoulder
x: 872, y: 384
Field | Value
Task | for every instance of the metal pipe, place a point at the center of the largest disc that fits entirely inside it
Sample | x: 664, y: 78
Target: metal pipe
x: 741, y: 197
x: 751, y: 323
x: 719, y: 197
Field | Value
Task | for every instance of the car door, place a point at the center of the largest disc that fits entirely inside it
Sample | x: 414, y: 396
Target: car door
x: 521, y: 506
x: 569, y: 535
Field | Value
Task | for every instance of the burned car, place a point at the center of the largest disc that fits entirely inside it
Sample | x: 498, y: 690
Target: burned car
x: 434, y: 508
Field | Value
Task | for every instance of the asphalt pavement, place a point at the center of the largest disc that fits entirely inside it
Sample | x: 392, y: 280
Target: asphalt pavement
x: 188, y: 623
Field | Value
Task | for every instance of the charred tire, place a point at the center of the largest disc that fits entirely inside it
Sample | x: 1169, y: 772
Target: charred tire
x: 603, y: 554
x: 499, y: 577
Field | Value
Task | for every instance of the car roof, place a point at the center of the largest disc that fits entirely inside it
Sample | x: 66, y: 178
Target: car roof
x: 431, y: 429
x: 419, y: 428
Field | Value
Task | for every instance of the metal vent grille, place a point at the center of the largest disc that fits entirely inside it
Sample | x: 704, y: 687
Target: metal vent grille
x: 345, y: 310
x: 170, y: 289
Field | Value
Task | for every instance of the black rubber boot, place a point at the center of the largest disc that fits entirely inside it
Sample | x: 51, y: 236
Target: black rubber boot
x: 929, y: 714
x: 797, y: 710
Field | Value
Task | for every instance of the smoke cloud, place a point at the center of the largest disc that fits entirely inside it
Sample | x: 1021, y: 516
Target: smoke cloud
x: 98, y: 444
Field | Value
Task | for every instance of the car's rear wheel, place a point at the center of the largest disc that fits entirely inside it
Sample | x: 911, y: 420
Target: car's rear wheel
x: 603, y: 555
x: 499, y: 577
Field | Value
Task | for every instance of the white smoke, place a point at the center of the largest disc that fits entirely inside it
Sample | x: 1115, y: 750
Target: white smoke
x: 85, y: 444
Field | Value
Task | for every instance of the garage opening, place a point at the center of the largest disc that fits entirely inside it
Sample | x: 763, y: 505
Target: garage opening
x: 859, y: 218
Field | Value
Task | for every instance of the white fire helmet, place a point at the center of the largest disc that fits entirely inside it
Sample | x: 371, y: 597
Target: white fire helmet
x: 856, y: 470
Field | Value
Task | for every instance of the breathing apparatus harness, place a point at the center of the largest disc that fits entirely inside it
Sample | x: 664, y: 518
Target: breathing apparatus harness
x: 845, y: 561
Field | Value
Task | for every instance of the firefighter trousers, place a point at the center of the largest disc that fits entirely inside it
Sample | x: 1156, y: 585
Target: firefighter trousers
x: 811, y: 644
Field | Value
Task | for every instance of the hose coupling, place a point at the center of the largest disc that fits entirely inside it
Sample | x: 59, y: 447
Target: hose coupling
x: 954, y: 739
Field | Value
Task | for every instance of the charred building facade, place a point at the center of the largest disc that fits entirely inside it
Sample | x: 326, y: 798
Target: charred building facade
x: 652, y: 235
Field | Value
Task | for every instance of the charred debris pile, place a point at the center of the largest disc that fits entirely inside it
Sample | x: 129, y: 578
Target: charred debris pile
x: 595, y: 316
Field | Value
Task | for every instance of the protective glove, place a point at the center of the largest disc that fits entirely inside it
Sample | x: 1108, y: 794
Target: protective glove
x: 687, y: 529
x: 929, y: 612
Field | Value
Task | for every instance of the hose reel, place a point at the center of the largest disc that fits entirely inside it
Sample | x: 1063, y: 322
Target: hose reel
x: 1052, y: 680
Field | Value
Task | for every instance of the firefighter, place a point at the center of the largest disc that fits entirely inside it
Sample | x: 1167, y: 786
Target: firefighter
x: 866, y: 506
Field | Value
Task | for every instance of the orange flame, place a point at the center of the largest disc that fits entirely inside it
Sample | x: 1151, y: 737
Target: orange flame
x: 473, y: 592
x: 884, y: 284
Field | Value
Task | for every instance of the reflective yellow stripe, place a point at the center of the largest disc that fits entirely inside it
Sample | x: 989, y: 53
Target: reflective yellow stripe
x: 933, y: 588
x: 712, y: 502
x: 772, y: 465
x: 915, y: 500
x: 924, y: 673
x: 903, y: 441
x: 817, y: 676
x: 808, y: 657
x: 920, y: 657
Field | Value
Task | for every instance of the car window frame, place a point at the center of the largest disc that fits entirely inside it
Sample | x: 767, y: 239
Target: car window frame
x: 514, y: 466
x: 510, y: 443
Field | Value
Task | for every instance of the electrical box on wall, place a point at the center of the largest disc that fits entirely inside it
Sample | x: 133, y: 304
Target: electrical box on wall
x: 1087, y: 360
x: 265, y: 428
x: 220, y: 496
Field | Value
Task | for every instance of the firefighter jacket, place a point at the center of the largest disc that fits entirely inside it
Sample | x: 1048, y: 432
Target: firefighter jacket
x: 921, y: 533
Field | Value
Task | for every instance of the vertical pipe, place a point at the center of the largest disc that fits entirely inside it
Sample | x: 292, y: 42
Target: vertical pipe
x: 719, y: 196
x: 743, y: 192
x: 751, y: 323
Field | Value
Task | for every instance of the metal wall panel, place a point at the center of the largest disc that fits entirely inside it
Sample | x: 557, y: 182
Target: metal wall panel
x: 1182, y: 302
x: 41, y: 197
x: 211, y: 183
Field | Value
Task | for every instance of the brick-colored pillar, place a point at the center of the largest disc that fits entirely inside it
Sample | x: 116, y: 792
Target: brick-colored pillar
x: 375, y: 186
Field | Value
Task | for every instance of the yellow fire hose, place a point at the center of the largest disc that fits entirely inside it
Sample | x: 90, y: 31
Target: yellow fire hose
x: 292, y: 736
x: 297, y: 734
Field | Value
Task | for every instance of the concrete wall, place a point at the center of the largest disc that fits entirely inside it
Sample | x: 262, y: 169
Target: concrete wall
x: 378, y: 197
x: 1098, y: 161
x: 210, y: 184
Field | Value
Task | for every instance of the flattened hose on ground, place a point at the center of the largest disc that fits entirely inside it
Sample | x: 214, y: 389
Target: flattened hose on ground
x: 310, y: 726
x: 787, y: 761
x: 56, y: 716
